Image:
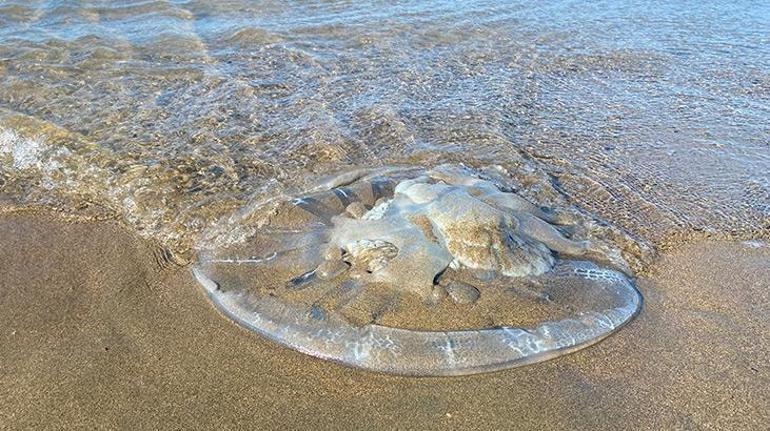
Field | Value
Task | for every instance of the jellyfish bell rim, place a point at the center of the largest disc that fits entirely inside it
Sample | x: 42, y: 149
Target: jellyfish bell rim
x: 404, y: 367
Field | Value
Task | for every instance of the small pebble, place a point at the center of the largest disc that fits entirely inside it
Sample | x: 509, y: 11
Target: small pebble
x: 437, y: 294
x: 462, y: 293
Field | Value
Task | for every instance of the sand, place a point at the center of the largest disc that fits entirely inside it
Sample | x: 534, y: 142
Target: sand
x: 98, y: 331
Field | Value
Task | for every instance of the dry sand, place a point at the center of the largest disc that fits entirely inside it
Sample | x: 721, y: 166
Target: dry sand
x: 94, y: 333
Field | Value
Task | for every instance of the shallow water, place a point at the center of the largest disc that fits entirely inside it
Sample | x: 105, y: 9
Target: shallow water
x: 172, y: 114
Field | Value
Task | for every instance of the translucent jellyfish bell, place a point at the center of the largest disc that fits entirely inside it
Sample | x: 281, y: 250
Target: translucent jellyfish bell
x: 416, y: 272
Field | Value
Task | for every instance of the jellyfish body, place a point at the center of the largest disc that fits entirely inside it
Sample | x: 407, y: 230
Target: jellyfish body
x: 445, y: 239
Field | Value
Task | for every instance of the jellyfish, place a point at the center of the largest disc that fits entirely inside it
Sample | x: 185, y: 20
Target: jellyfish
x: 411, y: 271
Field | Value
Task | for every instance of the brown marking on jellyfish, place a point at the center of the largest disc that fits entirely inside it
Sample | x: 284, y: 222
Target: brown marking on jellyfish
x: 425, y: 225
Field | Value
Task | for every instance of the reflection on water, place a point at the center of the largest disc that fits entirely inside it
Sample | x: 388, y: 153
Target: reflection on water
x: 173, y: 113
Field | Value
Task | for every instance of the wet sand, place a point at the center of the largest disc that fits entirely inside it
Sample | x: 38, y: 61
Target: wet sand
x: 98, y: 330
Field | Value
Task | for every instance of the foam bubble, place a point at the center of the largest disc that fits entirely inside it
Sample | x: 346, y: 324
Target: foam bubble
x: 25, y: 152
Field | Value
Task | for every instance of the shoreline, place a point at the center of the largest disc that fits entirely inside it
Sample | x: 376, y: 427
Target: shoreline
x: 97, y: 332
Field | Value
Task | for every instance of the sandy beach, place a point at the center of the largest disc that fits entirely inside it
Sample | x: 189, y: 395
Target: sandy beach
x: 143, y: 140
x: 99, y: 331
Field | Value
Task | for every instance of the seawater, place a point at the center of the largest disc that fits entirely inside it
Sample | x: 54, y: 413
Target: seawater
x: 170, y: 115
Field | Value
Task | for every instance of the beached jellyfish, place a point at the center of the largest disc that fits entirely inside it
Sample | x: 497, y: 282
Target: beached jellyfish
x: 412, y: 271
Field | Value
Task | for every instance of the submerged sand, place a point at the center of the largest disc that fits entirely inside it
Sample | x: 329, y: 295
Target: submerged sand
x: 97, y: 329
